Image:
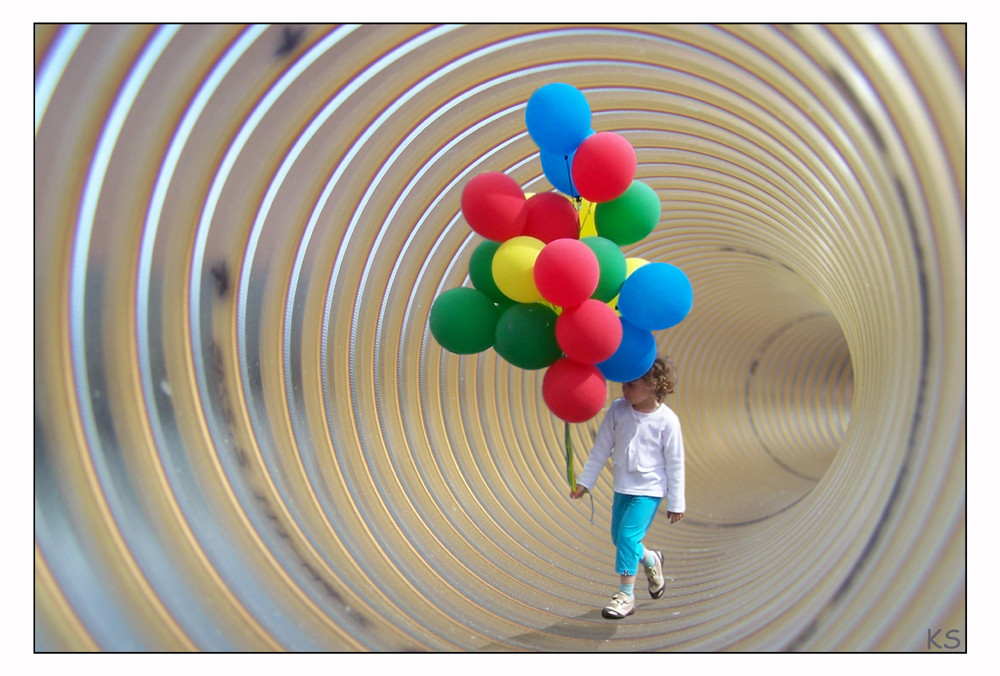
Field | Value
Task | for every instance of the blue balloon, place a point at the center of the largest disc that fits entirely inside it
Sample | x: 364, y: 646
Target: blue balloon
x: 556, y: 170
x: 558, y: 118
x: 633, y: 358
x: 656, y: 296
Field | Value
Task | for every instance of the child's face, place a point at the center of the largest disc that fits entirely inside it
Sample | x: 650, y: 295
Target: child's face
x: 638, y: 393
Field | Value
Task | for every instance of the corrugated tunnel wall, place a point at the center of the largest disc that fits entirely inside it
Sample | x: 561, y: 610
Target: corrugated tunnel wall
x: 246, y: 438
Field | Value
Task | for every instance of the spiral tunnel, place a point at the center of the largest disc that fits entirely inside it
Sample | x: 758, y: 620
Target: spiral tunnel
x: 246, y: 438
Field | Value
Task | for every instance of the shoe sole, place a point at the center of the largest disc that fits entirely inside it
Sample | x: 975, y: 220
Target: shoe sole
x: 659, y: 592
x: 612, y: 616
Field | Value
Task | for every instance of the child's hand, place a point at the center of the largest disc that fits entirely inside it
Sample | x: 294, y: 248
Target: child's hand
x: 675, y: 516
x: 577, y: 492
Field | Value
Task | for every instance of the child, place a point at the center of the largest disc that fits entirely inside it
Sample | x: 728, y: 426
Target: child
x: 643, y: 438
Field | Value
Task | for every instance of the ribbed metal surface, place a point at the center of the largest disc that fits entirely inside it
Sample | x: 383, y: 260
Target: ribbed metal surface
x: 246, y: 438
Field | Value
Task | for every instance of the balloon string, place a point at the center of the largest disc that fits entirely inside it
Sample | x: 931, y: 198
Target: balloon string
x: 571, y: 474
x: 569, y: 177
x: 578, y: 203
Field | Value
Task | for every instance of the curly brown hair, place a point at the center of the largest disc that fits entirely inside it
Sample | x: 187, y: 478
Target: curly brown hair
x: 662, y: 377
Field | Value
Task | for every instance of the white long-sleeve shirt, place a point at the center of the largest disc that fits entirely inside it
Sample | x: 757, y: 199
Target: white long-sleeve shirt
x: 646, y: 451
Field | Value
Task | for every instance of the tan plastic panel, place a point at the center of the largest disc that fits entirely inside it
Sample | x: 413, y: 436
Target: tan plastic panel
x: 246, y: 438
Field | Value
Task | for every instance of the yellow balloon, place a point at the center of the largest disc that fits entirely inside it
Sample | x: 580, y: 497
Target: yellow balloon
x: 631, y: 265
x: 588, y: 227
x: 514, y: 268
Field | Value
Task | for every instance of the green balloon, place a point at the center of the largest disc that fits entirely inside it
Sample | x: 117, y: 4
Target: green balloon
x: 464, y: 320
x: 629, y: 217
x: 526, y: 336
x: 613, y: 267
x: 481, y: 270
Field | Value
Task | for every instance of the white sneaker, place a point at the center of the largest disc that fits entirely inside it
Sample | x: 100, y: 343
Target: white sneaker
x: 622, y: 605
x: 654, y: 575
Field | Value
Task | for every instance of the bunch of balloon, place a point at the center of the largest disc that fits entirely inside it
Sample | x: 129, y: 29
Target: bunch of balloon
x: 551, y: 286
x: 597, y: 170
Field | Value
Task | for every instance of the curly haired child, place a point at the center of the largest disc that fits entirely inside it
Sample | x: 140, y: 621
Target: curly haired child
x: 642, y: 436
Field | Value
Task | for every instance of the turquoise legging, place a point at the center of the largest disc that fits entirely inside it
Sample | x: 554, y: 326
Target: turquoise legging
x: 631, y: 517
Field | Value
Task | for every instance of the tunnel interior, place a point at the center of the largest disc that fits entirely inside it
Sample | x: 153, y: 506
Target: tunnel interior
x: 246, y: 438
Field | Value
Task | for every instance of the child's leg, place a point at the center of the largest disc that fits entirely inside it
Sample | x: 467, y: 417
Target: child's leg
x: 618, y: 506
x: 631, y: 516
x: 635, y: 517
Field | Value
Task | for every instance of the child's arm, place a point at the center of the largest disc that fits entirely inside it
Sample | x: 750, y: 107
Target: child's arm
x: 604, y: 442
x: 673, y: 453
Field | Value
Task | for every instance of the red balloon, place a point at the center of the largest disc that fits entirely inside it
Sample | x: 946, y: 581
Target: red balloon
x: 573, y: 391
x: 589, y: 333
x: 549, y: 216
x: 566, y: 272
x: 491, y: 203
x: 603, y: 167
